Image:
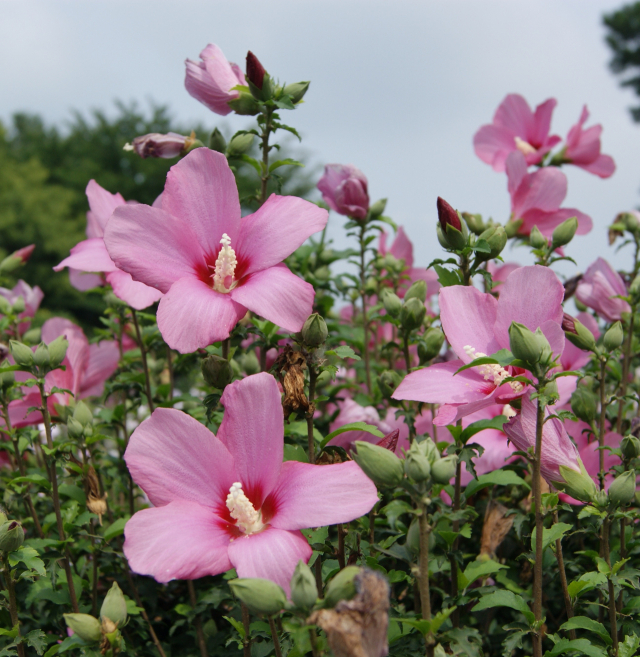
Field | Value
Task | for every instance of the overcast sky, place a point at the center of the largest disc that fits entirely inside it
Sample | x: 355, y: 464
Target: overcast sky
x: 397, y: 88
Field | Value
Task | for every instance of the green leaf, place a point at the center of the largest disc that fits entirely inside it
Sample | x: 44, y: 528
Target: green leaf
x: 585, y: 583
x: 446, y: 277
x: 495, y: 478
x: 581, y: 646
x: 482, y: 246
x: 441, y: 617
x: 477, y: 569
x: 353, y: 426
x: 629, y: 646
x: 237, y: 624
x: 505, y: 599
x: 12, y: 633
x: 183, y: 609
x: 481, y: 425
x: 115, y: 529
x: 295, y: 453
x: 29, y: 557
x: 550, y: 535
x: 74, y: 492
x: 286, y: 162
x: 585, y: 623
x: 343, y: 351
x: 423, y: 626
x: 37, y: 479
x: 37, y: 640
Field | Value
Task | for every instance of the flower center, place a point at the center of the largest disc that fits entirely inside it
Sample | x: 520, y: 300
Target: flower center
x: 494, y: 373
x: 524, y: 146
x: 248, y: 520
x: 225, y: 267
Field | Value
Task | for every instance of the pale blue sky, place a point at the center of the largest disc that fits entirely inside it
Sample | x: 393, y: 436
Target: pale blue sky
x: 397, y: 88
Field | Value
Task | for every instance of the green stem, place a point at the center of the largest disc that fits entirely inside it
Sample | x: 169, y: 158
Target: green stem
x: 246, y: 624
x: 313, y: 638
x: 13, y: 603
x: 601, y: 428
x: 606, y: 528
x: 202, y: 644
x: 274, y: 636
x: 225, y: 348
x: 266, y: 132
x: 143, y: 354
x: 313, y: 376
x: 625, y: 369
x: 423, y: 567
x: 341, y: 551
x: 455, y: 617
x: 537, y: 569
x: 363, y: 296
x: 563, y: 579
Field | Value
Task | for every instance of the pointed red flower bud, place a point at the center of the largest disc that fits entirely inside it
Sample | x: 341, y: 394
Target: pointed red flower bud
x: 569, y: 324
x: 390, y: 441
x: 24, y: 253
x: 255, y: 70
x: 447, y: 215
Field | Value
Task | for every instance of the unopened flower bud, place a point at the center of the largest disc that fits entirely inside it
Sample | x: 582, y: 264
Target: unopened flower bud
x: 392, y: 303
x: 629, y: 220
x: 634, y: 288
x: 413, y: 537
x: 577, y: 484
x: 416, y: 464
x: 16, y: 259
x: 7, y: 379
x: 217, y: 142
x: 245, y: 104
x: 82, y: 413
x: 3, y: 517
x: 536, y: 239
x: 239, y: 144
x: 623, y: 488
x: 41, y: 356
x: 447, y: 216
x: 383, y: 467
x: 630, y: 447
x: 418, y: 290
x: 304, y: 591
x: 444, y: 469
x: 474, y: 222
x: 255, y: 70
x: 583, y: 404
x: 614, y: 337
x: 370, y: 286
x: 314, y: 331
x: 342, y: 586
x: 85, y: 626
x: 453, y: 233
x: 412, y: 314
x: 5, y: 306
x: 376, y: 209
x: 156, y: 144
x: 430, y: 449
x: 496, y: 238
x: 564, y: 233
x: 11, y: 536
x: 114, y: 606
x: 430, y: 345
x: 524, y: 343
x: 75, y: 429
x: 21, y: 354
x: 18, y: 306
x: 217, y: 371
x: 58, y: 350
x: 512, y: 227
x: 577, y: 333
x: 388, y: 381
x: 296, y: 91
x: 262, y: 596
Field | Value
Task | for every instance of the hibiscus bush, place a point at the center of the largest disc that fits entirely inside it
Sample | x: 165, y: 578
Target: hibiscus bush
x: 274, y: 447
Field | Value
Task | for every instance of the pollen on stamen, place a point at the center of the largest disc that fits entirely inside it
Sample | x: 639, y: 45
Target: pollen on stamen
x: 248, y: 520
x: 492, y: 372
x: 524, y: 146
x: 225, y: 267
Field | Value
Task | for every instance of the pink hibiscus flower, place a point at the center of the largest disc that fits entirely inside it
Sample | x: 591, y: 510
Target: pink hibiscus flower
x: 583, y: 148
x: 32, y: 298
x: 211, y: 263
x: 344, y: 189
x: 475, y: 324
x: 228, y: 500
x: 91, y: 254
x: 598, y: 289
x: 516, y: 128
x: 536, y: 198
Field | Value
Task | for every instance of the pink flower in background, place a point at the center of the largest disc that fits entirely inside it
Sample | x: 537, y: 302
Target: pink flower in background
x: 211, y: 263
x: 230, y: 501
x: 344, y: 189
x: 583, y: 148
x: 91, y: 255
x: 477, y: 323
x: 87, y: 367
x: 499, y: 272
x: 598, y: 289
x: 211, y: 81
x: 536, y: 198
x: 516, y: 128
x: 158, y: 145
x: 32, y: 297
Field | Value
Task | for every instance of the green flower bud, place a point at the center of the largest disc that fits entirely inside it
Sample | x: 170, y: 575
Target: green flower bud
x: 58, y: 350
x: 578, y: 334
x: 584, y: 404
x: 3, y: 518
x: 496, y: 238
x: 579, y: 305
x: 342, y: 586
x: 239, y: 144
x: 314, y: 331
x: 536, y: 239
x: 11, y: 536
x: 413, y: 537
x: 32, y: 336
x: 474, y: 222
x: 600, y: 499
x: 262, y: 596
x: 376, y: 209
x: 430, y: 450
x: 614, y: 337
x: 443, y: 469
x: 412, y: 314
x: 41, y: 356
x: 388, y: 381
x: 564, y: 233
x: 630, y: 447
x: 416, y: 464
x: 524, y: 343
x: 371, y: 286
x: 21, y: 354
x: 577, y: 484
x: 7, y: 379
x: 512, y: 227
x: 630, y: 221
x: 430, y: 345
x: 383, y: 467
x: 114, y: 606
x: 296, y: 91
x: 441, y: 237
x: 217, y: 371
x: 18, y: 306
x: 217, y: 142
x: 245, y: 104
x: 83, y: 414
x: 623, y: 488
x: 418, y: 290
x: 5, y: 306
x: 75, y: 429
x: 634, y: 288
x: 85, y: 626
x: 304, y: 591
x: 392, y: 303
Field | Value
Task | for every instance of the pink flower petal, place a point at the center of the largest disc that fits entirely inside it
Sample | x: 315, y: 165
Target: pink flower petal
x: 271, y: 554
x: 137, y: 295
x: 468, y: 316
x: 192, y: 315
x: 538, y: 132
x: 84, y: 281
x: 102, y: 362
x: 604, y: 166
x: 102, y: 204
x: 402, y: 249
x: 201, y: 190
x: 171, y: 456
x: 514, y: 113
x: 182, y: 540
x: 543, y: 190
x: 493, y: 144
x: 252, y: 430
x: 276, y: 230
x: 548, y: 221
x: 316, y: 495
x: 89, y: 255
